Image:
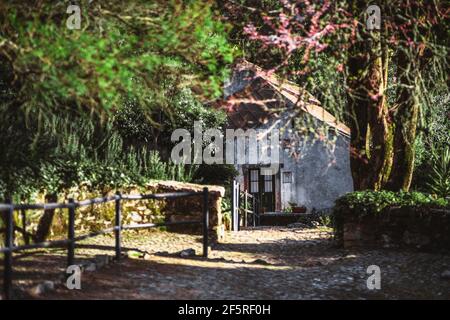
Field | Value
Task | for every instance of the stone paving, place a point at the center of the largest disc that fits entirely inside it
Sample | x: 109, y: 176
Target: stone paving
x: 261, y: 263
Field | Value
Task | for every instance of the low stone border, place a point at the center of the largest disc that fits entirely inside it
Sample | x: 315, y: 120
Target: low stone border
x: 419, y: 228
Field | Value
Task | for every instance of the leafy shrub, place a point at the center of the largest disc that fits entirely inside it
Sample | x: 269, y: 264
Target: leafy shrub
x: 439, y: 180
x: 365, y: 203
x: 432, y: 162
x: 326, y: 221
x: 219, y: 174
x: 370, y: 202
x: 156, y: 168
x: 188, y: 109
x: 226, y: 212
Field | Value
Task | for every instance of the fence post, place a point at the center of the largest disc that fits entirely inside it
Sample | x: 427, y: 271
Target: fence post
x: 233, y: 201
x: 245, y: 207
x: 254, y: 211
x: 258, y: 221
x: 8, y: 256
x: 71, y: 234
x: 118, y: 226
x: 26, y: 237
x: 205, y: 222
x: 235, y: 216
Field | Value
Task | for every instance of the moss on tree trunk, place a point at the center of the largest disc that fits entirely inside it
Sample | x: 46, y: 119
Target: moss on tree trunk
x: 382, y: 142
x: 406, y: 119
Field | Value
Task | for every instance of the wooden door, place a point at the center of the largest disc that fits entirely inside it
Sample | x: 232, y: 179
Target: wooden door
x: 263, y: 188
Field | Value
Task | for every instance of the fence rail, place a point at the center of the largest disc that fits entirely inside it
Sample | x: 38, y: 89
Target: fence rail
x: 70, y: 242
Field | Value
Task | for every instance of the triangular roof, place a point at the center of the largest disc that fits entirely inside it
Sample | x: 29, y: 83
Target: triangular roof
x: 254, y: 96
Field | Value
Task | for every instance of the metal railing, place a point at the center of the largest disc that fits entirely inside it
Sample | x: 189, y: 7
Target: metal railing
x: 71, y: 240
x: 247, y: 211
x: 240, y: 215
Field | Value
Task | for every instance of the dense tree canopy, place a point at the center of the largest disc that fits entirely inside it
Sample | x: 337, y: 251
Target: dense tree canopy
x: 88, y: 105
x: 121, y: 49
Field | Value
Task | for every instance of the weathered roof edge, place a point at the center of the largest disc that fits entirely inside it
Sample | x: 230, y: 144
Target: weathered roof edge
x: 296, y: 95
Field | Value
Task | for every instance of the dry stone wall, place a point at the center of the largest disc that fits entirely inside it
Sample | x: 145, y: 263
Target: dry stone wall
x: 99, y: 217
x: 420, y: 228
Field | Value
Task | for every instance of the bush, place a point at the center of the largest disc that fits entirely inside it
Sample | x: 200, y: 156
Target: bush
x: 372, y: 202
x: 218, y: 174
x: 366, y: 203
x: 432, y: 162
x: 439, y: 180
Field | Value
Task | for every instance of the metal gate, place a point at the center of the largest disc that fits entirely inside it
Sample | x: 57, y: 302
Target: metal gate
x: 249, y: 212
x: 235, y: 219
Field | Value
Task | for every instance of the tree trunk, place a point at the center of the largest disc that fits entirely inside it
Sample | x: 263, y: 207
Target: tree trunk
x: 405, y: 128
x: 380, y: 124
x: 382, y: 140
x: 46, y: 220
x: 371, y: 127
x: 358, y: 124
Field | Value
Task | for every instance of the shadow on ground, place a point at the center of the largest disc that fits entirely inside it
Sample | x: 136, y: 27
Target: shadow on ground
x: 259, y: 264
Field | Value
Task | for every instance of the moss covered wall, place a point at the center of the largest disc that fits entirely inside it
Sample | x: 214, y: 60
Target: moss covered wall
x: 97, y: 217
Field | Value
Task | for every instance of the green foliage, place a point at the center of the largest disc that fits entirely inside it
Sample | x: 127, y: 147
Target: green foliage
x: 133, y: 124
x: 226, y: 212
x: 436, y: 118
x: 159, y: 170
x: 138, y: 128
x: 83, y: 109
x: 187, y: 108
x: 75, y: 152
x: 218, y: 174
x: 439, y: 180
x: 122, y: 49
x: 326, y: 221
x: 431, y: 146
x: 54, y: 152
x: 372, y: 202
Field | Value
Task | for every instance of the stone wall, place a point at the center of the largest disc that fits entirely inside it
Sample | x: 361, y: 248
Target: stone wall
x: 97, y: 217
x: 191, y: 208
x: 419, y: 228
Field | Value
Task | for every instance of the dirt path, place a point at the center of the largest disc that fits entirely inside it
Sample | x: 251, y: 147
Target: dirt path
x: 266, y: 263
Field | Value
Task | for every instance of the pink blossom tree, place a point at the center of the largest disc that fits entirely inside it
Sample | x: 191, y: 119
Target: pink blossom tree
x: 384, y: 70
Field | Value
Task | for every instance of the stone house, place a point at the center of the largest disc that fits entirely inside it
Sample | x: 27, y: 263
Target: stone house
x: 314, y: 165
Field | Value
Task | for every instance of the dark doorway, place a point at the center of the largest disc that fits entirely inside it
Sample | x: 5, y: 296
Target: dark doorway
x: 262, y: 187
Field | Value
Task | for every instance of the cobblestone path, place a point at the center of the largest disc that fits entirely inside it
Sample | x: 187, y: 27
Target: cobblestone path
x: 264, y: 263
